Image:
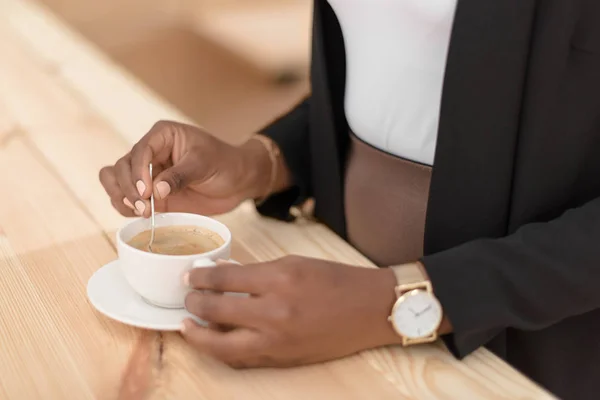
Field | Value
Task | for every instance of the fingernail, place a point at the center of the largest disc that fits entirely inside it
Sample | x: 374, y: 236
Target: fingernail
x: 186, y: 279
x: 140, y: 206
x: 141, y: 187
x: 128, y: 203
x: 163, y: 189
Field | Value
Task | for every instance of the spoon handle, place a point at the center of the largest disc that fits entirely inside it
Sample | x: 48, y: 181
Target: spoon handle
x: 152, y: 220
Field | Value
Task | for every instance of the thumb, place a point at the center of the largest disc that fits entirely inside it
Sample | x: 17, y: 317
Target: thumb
x: 180, y: 175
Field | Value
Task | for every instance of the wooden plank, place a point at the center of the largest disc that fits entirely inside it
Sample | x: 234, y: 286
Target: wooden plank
x: 36, y: 211
x: 51, y: 335
x: 115, y: 99
x: 113, y: 93
x: 46, y: 33
x: 74, y: 141
x: 344, y: 379
x: 31, y: 344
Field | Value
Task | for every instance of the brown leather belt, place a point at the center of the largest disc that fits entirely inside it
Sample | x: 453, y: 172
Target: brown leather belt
x: 385, y: 204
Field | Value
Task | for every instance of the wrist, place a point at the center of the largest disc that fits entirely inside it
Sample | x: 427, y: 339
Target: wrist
x: 382, y: 301
x: 256, y: 169
x: 445, y: 326
x: 265, y: 168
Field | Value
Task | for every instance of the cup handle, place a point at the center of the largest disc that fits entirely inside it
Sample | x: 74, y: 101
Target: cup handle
x: 203, y: 262
x: 207, y: 262
x: 199, y: 263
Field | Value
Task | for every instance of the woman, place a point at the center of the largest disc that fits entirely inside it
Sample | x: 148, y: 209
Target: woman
x: 456, y: 142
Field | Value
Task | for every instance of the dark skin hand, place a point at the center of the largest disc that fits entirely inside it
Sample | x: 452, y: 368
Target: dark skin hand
x: 300, y: 311
x: 193, y: 172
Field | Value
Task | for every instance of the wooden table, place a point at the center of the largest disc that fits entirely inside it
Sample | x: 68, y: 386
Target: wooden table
x: 65, y: 111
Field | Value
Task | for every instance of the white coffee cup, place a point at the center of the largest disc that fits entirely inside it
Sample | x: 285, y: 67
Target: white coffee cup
x: 158, y: 278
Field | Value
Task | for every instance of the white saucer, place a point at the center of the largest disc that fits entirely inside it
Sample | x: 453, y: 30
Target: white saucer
x: 109, y: 293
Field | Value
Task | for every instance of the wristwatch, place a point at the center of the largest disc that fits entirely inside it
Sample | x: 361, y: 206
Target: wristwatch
x: 417, y: 313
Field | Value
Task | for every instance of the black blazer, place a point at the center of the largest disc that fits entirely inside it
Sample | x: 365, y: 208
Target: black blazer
x: 512, y: 239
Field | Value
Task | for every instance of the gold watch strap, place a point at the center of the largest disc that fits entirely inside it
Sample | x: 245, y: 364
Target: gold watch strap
x: 409, y: 273
x: 411, y: 276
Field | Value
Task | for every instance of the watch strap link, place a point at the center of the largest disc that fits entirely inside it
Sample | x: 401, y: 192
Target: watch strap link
x: 410, y: 276
x: 409, y: 273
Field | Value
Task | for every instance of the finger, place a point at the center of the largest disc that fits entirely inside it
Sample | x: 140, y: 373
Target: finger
x: 112, y: 188
x: 199, y: 204
x: 122, y: 208
x: 141, y: 157
x: 229, y: 278
x: 220, y: 328
x: 128, y: 203
x: 224, y: 309
x: 109, y: 182
x: 127, y: 185
x: 232, y: 346
x: 187, y: 170
x: 156, y: 147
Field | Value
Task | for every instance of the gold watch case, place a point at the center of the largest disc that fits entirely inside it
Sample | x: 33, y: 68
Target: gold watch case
x: 403, y: 291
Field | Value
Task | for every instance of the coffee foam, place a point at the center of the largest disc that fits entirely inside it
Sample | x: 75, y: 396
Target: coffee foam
x: 178, y: 240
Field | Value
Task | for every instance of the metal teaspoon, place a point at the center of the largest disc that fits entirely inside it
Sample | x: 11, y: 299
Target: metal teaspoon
x: 152, y: 220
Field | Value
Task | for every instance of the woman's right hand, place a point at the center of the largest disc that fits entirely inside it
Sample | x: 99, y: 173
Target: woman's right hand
x: 193, y: 172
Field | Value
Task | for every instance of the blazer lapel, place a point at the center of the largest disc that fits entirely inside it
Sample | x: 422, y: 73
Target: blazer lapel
x: 329, y: 138
x: 479, y: 122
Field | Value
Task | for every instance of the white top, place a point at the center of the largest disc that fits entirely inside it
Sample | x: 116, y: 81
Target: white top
x: 396, y: 54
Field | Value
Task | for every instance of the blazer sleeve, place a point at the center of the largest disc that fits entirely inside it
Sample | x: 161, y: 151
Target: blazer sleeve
x: 534, y: 278
x: 290, y: 133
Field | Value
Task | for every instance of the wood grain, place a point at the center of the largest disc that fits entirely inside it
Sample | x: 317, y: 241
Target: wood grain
x: 57, y: 228
x: 88, y: 71
x: 49, y: 250
x: 61, y: 128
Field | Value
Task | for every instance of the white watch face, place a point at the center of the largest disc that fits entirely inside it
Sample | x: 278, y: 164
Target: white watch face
x: 417, y: 314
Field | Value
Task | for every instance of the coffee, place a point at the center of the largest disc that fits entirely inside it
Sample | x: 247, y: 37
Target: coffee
x: 178, y: 240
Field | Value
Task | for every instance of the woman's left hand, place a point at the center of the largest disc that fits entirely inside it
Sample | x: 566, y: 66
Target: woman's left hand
x: 300, y: 310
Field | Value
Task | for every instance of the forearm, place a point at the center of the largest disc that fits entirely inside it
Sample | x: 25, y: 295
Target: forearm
x: 293, y: 182
x: 268, y: 173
